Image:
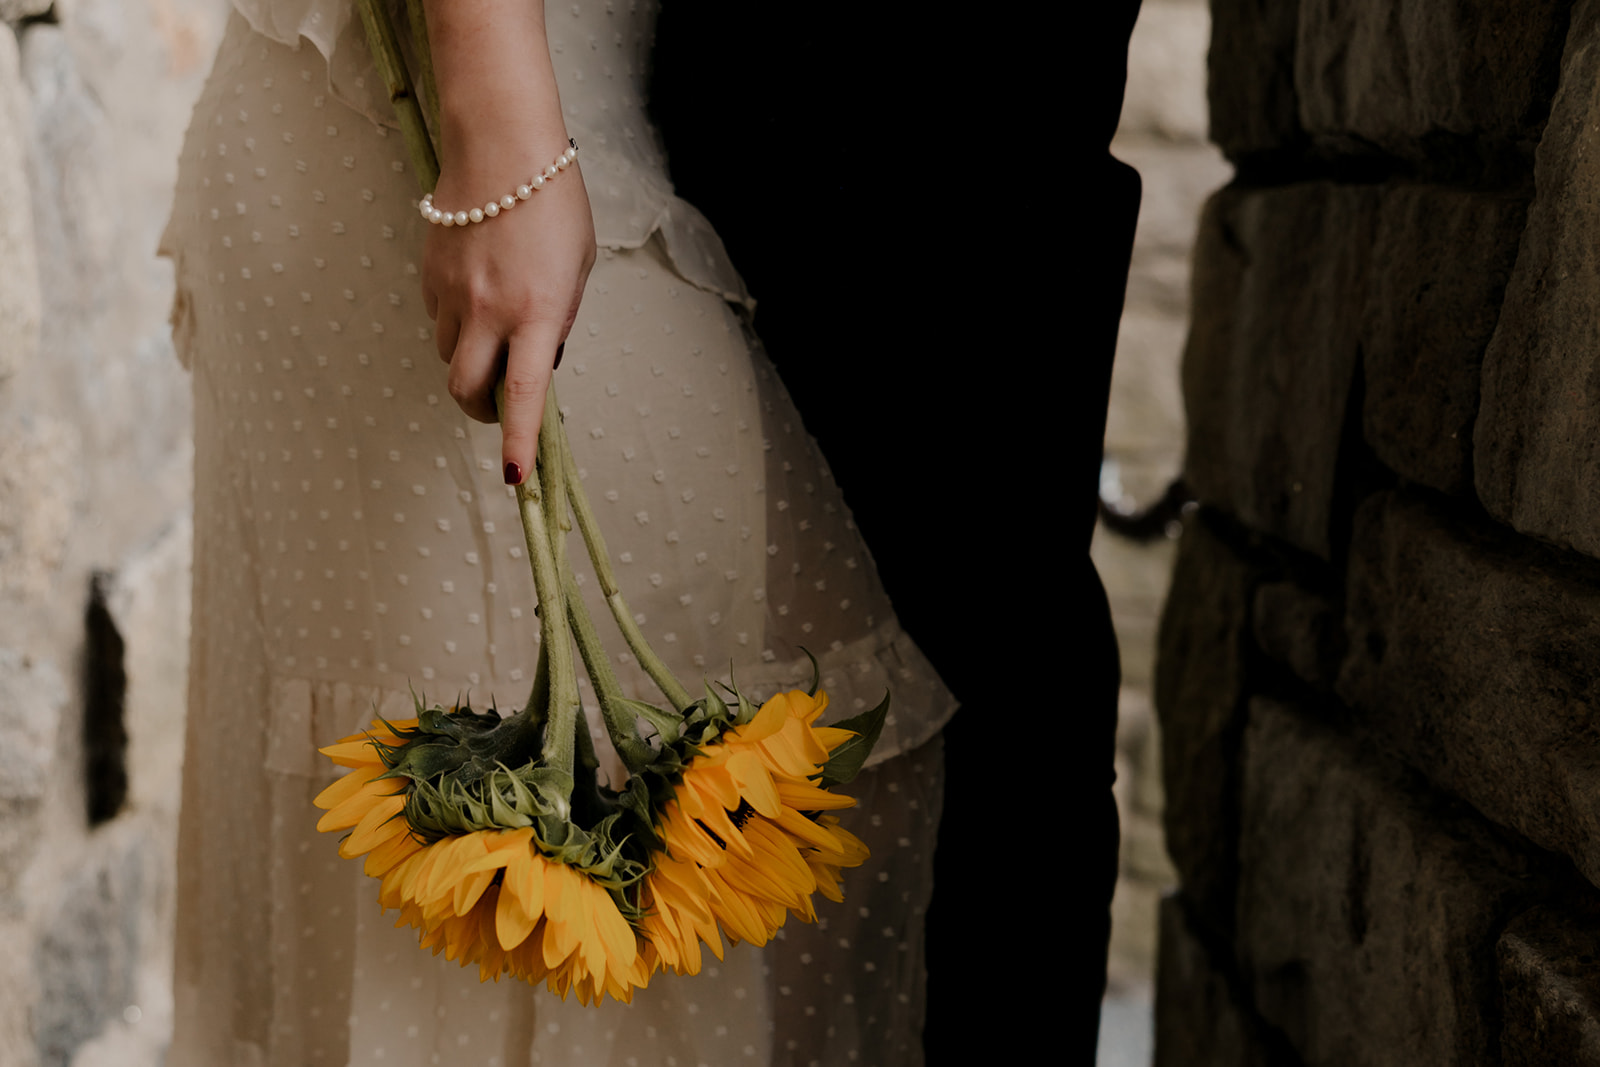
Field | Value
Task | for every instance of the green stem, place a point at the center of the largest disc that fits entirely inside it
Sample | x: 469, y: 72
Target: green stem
x: 385, y: 49
x: 539, y: 696
x: 533, y: 497
x: 620, y: 722
x: 595, y: 542
x: 424, y: 52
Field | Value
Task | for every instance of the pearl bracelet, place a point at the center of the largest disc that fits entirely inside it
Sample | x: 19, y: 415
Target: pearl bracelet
x: 505, y: 203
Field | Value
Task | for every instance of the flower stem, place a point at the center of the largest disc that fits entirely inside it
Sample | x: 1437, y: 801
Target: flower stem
x: 620, y: 723
x: 533, y: 499
x: 424, y: 52
x: 385, y: 49
x: 595, y: 542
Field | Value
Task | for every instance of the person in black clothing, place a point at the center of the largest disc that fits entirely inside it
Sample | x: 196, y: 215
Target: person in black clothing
x: 860, y: 171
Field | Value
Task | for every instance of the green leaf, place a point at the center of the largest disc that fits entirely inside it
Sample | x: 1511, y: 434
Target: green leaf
x: 667, y: 723
x: 846, y: 761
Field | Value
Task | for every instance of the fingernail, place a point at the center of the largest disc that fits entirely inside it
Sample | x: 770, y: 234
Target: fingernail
x: 560, y: 351
x: 513, y: 474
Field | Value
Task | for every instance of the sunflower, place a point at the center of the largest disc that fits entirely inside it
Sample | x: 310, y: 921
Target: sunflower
x: 488, y: 897
x: 744, y: 842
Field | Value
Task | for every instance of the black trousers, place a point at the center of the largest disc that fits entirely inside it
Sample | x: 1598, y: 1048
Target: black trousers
x: 941, y: 295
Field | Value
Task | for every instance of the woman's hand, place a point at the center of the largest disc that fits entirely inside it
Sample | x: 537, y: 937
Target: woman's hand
x: 503, y: 293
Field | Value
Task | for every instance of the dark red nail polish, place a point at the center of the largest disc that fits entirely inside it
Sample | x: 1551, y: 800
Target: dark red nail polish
x: 561, y: 350
x: 513, y: 474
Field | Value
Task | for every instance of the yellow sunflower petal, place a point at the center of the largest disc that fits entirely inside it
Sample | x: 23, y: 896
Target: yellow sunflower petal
x: 355, y: 807
x: 754, y: 783
x: 802, y: 795
x: 344, y: 787
x: 391, y: 854
x: 831, y: 737
x: 521, y: 899
x: 381, y: 822
x: 561, y: 935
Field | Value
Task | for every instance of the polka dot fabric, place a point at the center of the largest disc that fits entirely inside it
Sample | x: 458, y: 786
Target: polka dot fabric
x: 354, y: 540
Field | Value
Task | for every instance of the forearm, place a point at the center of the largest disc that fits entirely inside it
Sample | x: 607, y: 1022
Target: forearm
x: 500, y: 112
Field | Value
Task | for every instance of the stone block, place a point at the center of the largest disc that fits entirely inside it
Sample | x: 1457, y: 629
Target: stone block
x: 1300, y: 628
x: 1475, y: 654
x: 32, y: 698
x: 1537, y: 439
x: 1439, y: 269
x: 41, y: 481
x: 1403, y: 77
x: 150, y: 603
x: 1550, y: 987
x: 1200, y: 691
x: 1280, y: 283
x: 1166, y: 94
x: 75, y: 218
x: 1176, y: 180
x: 86, y: 955
x: 19, y: 292
x: 1202, y: 1017
x: 1367, y: 910
x: 1250, y: 84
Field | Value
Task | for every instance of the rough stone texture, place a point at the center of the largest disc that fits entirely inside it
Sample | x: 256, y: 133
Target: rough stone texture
x: 1280, y: 281
x: 150, y: 604
x: 1201, y: 1018
x: 94, y: 476
x: 1166, y: 65
x: 1370, y: 72
x: 1439, y: 270
x: 19, y: 296
x: 1301, y: 629
x: 86, y: 958
x: 1550, y: 986
x: 1161, y: 133
x: 1365, y: 913
x: 1477, y: 656
x: 41, y: 483
x: 1254, y: 111
x: 1200, y: 695
x: 1537, y: 441
x: 1144, y: 870
x: 32, y: 698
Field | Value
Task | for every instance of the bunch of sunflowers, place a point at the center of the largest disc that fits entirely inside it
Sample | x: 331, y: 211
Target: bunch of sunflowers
x: 495, y: 837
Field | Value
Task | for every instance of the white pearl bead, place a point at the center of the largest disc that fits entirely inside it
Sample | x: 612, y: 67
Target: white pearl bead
x: 550, y: 172
x: 524, y: 191
x: 435, y: 216
x: 461, y: 218
x: 447, y: 219
x: 508, y: 202
x: 561, y: 163
x: 492, y: 208
x: 571, y: 153
x: 538, y: 181
x: 476, y: 214
x: 424, y: 208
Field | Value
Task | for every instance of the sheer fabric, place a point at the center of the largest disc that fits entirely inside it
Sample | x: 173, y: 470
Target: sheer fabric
x: 354, y: 540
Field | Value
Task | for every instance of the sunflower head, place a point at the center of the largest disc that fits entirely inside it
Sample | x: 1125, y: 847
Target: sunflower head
x: 745, y: 838
x: 492, y: 873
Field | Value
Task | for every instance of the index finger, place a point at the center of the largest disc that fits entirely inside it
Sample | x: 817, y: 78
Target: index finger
x: 530, y: 364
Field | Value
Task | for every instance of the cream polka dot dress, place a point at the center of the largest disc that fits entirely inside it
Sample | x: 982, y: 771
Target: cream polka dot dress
x: 354, y: 540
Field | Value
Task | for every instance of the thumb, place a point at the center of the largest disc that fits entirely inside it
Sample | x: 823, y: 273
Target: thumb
x: 530, y: 364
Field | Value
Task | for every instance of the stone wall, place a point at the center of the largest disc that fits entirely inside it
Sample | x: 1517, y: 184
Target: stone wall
x: 1379, y: 665
x: 1163, y: 134
x: 94, y: 522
